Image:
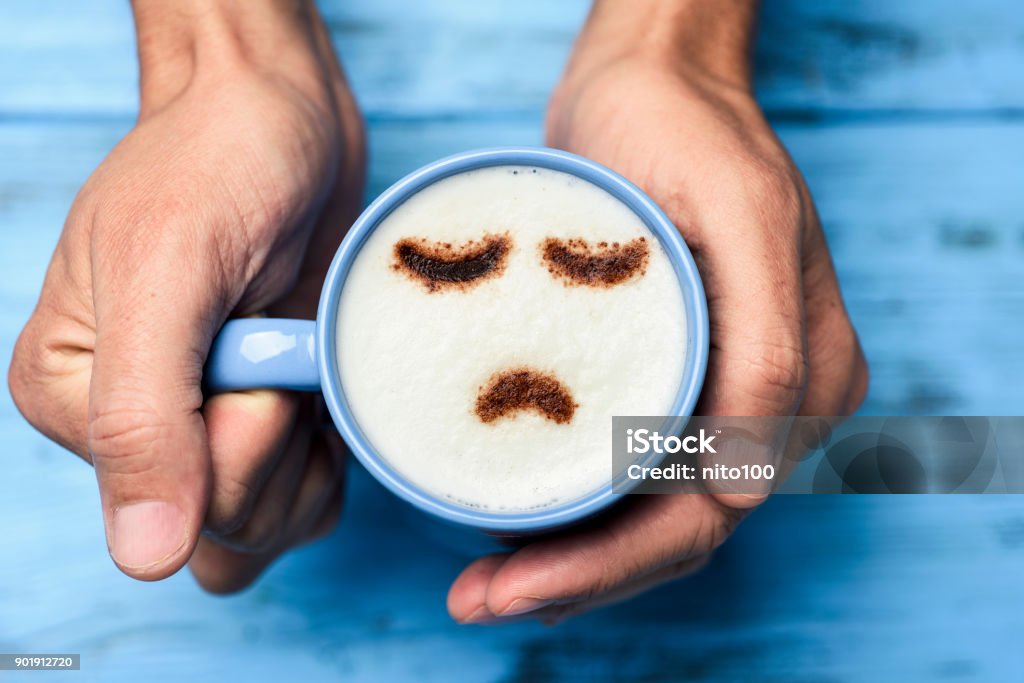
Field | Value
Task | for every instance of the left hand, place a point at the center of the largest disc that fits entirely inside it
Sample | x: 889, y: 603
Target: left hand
x: 227, y: 198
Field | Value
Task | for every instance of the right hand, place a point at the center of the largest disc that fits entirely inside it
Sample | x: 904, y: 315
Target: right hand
x: 781, y: 341
x: 228, y: 198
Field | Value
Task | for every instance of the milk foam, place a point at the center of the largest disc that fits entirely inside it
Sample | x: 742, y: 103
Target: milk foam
x: 413, y: 361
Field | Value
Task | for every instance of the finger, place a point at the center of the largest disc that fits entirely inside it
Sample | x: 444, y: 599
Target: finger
x: 653, y: 532
x: 467, y: 597
x: 322, y: 480
x: 249, y: 434
x: 328, y: 521
x: 268, y: 517
x: 558, y: 613
x: 465, y: 608
x: 146, y: 434
x: 338, y: 453
x: 757, y: 364
x: 838, y: 371
x: 52, y: 360
x: 221, y: 569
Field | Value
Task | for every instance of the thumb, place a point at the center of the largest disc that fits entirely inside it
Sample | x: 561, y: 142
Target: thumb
x: 146, y: 434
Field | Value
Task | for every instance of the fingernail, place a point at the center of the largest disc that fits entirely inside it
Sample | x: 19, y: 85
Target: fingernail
x: 481, y: 615
x: 524, y: 605
x: 740, y: 451
x: 146, y: 533
x: 758, y: 489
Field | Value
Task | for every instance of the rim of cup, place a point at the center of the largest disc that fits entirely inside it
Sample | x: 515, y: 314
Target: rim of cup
x: 694, y: 367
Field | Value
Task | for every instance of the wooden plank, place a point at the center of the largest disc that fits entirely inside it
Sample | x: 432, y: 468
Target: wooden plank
x: 927, y: 233
x: 925, y: 227
x: 442, y: 57
x: 66, y: 56
x: 912, y: 55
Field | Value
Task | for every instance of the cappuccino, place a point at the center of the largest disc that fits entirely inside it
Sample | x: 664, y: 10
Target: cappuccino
x: 494, y: 322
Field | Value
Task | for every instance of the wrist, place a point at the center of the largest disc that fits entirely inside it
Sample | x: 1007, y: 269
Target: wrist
x: 707, y: 38
x: 188, y: 41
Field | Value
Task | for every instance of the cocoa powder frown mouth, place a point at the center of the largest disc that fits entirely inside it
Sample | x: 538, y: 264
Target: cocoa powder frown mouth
x: 525, y: 389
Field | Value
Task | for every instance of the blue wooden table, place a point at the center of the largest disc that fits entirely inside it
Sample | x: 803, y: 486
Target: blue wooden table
x: 908, y: 120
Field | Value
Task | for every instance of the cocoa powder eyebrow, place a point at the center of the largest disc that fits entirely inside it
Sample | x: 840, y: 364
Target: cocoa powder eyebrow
x: 443, y: 265
x: 578, y: 262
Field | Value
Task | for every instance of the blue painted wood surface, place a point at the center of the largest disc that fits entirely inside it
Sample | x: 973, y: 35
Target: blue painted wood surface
x: 906, y: 118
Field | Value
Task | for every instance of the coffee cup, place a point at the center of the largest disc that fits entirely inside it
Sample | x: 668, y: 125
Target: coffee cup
x: 480, y: 324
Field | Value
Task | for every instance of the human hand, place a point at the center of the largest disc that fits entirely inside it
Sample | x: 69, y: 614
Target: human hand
x: 227, y: 198
x: 675, y: 114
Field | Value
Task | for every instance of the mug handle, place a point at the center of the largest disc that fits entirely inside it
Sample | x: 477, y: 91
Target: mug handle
x: 263, y: 353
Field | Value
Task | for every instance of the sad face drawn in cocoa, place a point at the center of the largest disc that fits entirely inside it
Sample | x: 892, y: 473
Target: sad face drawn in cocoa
x: 444, y: 267
x: 484, y: 357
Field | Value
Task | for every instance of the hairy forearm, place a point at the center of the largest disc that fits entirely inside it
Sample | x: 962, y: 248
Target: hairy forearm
x: 714, y: 36
x: 182, y: 40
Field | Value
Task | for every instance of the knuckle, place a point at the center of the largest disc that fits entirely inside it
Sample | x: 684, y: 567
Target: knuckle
x: 723, y: 525
x: 860, y: 378
x: 851, y: 369
x: 23, y: 378
x: 231, y: 505
x: 594, y: 589
x: 716, y: 525
x: 29, y: 370
x: 124, y: 430
x: 325, y: 471
x: 327, y: 525
x: 35, y: 369
x: 160, y: 230
x: 777, y: 375
x: 261, y: 535
x: 770, y: 186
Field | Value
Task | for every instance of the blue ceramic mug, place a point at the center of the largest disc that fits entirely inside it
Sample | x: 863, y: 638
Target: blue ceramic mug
x: 298, y: 354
